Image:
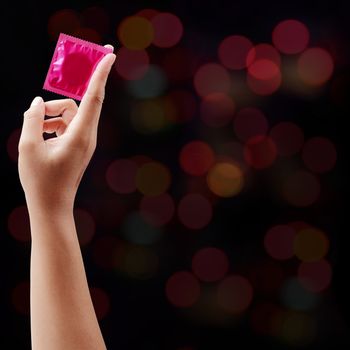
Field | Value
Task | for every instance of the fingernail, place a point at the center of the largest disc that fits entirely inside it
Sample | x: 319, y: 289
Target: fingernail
x: 112, y: 59
x: 37, y: 101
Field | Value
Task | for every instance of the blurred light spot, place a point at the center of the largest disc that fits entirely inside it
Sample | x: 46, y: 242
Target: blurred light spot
x: 132, y: 64
x: 234, y: 294
x: 250, y: 122
x: 63, y: 21
x: 104, y: 249
x: 157, y: 210
x: 263, y: 69
x: 101, y: 302
x: 153, y: 179
x: 18, y: 224
x: 210, y: 264
x: 140, y: 262
x: 141, y: 159
x: 296, y: 297
x: 290, y: 36
x: 311, y: 245
x: 233, y: 150
x: 301, y: 188
x: 195, y: 211
x: 315, y: 276
x: 121, y: 176
x: 315, y: 66
x: 147, y: 13
x: 152, y: 83
x: 182, y: 289
x: 196, y: 157
x: 233, y: 51
x: 319, y: 154
x: 179, y: 64
x: 217, y: 109
x: 96, y: 18
x: 225, y: 179
x: 135, y: 33
x: 266, y: 277
x: 180, y: 106
x: 12, y: 144
x: 88, y: 34
x: 279, y: 242
x: 297, y: 328
x: 260, y: 152
x: 148, y: 116
x: 20, y: 298
x: 85, y: 225
x: 137, y: 230
x: 211, y: 77
x: 168, y: 29
x: 263, y: 52
x: 264, y: 87
x: 288, y: 138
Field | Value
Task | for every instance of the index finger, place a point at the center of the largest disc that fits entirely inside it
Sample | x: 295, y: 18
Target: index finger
x: 91, y: 104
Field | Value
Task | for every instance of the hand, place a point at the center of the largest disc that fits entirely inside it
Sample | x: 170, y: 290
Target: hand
x: 50, y: 170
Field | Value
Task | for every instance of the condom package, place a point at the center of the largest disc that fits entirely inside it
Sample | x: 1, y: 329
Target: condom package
x: 72, y: 65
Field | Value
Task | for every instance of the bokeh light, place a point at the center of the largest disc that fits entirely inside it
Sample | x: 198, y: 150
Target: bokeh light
x: 211, y: 77
x: 296, y: 297
x: 210, y: 264
x: 182, y: 289
x: 151, y: 84
x: 315, y: 66
x: 301, y: 188
x: 12, y: 144
x: 260, y: 152
x: 18, y: 224
x: 263, y: 69
x: 132, y: 64
x: 263, y: 52
x: 225, y: 179
x: 290, y: 36
x: 88, y: 34
x: 63, y: 21
x: 217, y: 109
x: 249, y: 122
x: 310, y: 245
x: 147, y: 13
x: 288, y: 138
x: 278, y: 242
x: 157, y: 210
x: 319, y: 154
x: 196, y: 158
x: 194, y: 211
x: 234, y: 294
x: 264, y: 87
x: 315, y: 276
x: 137, y: 230
x: 121, y: 176
x: 168, y: 29
x: 101, y: 302
x: 85, y: 225
x: 153, y: 179
x: 20, y: 297
x: 233, y: 51
x: 135, y: 32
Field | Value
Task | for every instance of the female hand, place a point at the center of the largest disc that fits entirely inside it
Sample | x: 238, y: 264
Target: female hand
x: 50, y: 170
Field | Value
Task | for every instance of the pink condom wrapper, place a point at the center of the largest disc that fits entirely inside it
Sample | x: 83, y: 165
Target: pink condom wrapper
x: 72, y: 65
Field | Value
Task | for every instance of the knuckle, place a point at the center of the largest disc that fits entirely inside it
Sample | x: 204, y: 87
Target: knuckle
x: 96, y: 98
x: 71, y: 103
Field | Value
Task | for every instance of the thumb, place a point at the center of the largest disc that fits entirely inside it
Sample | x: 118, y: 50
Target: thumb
x: 33, y: 120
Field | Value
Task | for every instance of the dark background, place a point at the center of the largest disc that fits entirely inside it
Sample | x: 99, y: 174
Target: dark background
x: 140, y: 317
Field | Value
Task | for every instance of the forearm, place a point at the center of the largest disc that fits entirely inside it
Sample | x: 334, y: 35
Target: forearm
x: 62, y: 314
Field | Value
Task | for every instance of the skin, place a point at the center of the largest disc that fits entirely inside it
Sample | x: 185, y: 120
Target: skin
x: 62, y: 313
